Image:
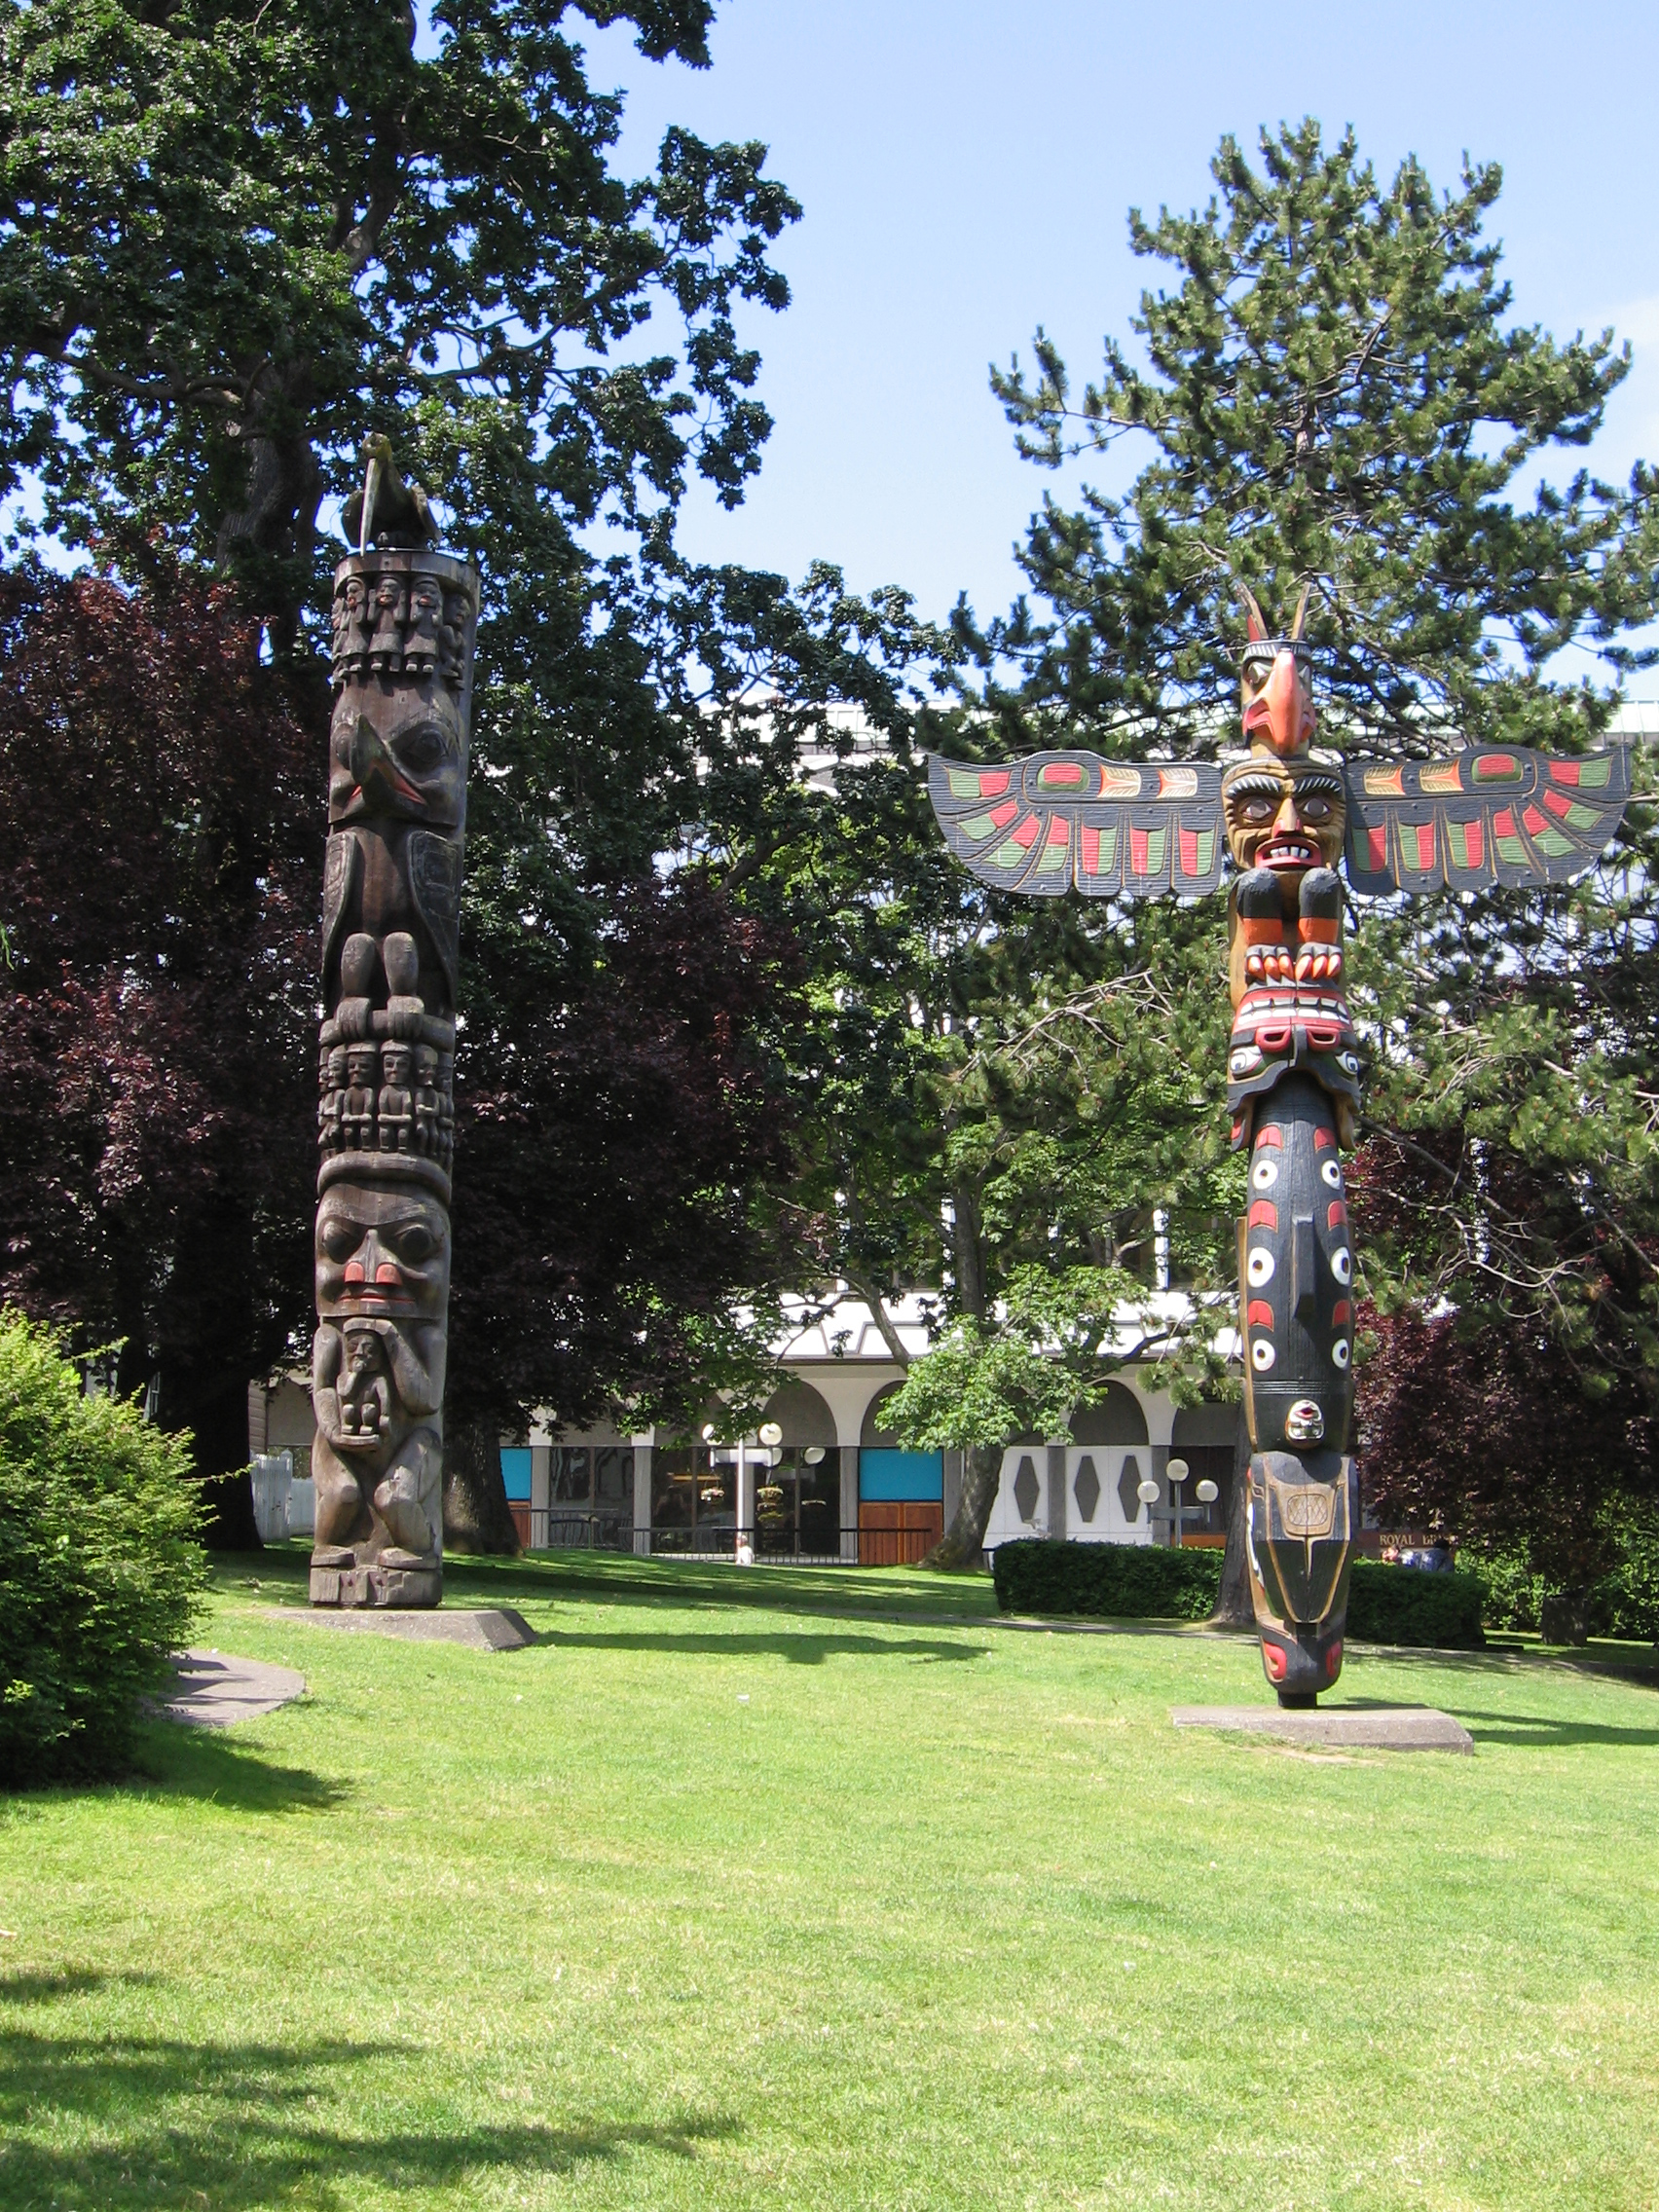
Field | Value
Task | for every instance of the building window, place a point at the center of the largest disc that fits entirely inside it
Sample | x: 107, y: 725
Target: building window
x: 590, y: 1498
x: 694, y: 1498
x: 797, y: 1503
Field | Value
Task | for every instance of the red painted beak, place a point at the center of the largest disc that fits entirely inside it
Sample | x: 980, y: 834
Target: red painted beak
x: 1276, y: 708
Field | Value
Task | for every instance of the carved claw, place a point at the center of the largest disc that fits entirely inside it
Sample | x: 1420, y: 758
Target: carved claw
x: 1268, y: 964
x: 1319, y: 964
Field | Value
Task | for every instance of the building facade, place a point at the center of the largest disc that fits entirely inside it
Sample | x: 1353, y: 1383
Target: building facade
x: 820, y: 1477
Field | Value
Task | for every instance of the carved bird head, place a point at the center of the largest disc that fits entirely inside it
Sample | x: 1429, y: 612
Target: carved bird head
x: 1278, y: 683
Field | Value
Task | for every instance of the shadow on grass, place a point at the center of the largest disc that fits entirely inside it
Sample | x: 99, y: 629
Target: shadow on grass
x: 800, y: 1651
x: 72, y: 1981
x: 1534, y: 1732
x: 175, y: 1762
x: 241, y: 2125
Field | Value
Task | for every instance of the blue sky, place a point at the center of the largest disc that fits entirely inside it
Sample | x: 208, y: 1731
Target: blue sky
x: 966, y: 169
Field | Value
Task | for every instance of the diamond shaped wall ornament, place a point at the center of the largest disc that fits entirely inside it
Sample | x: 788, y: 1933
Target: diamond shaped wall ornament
x: 1128, y: 1489
x: 1087, y: 1487
x: 1025, y: 1489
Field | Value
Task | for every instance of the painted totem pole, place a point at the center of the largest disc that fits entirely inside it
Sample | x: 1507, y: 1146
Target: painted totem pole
x: 404, y: 623
x: 1288, y: 814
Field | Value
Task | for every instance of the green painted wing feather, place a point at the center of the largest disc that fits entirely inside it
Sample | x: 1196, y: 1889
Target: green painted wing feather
x: 1058, y: 822
x: 1493, y: 814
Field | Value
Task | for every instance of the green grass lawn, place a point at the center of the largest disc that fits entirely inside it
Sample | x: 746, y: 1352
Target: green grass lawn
x: 822, y: 1889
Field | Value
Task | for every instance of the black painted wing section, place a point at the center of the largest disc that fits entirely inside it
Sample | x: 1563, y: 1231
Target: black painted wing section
x: 1058, y: 822
x: 1493, y: 814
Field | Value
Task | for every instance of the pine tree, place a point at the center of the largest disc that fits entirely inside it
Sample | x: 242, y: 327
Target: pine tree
x: 1336, y: 391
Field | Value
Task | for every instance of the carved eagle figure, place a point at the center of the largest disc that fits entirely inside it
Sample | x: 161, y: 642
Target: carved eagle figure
x: 1063, y: 821
x: 386, y: 512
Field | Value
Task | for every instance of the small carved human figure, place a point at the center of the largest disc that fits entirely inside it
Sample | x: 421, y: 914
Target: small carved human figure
x: 326, y: 1107
x: 396, y: 1105
x: 364, y: 1387
x: 385, y: 648
x: 446, y: 1108
x: 358, y: 1115
x: 425, y: 616
x: 427, y: 1102
x: 452, y: 638
x: 332, y: 1074
x: 350, y: 628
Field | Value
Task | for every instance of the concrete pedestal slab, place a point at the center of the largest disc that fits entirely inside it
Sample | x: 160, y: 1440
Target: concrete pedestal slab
x: 1349, y: 1728
x: 496, y: 1628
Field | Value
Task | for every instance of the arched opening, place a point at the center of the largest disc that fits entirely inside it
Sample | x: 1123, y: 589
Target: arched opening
x: 901, y: 1494
x: 798, y: 1492
x: 1115, y: 1418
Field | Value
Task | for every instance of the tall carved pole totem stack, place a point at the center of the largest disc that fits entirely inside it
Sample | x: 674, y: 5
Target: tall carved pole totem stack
x: 404, y: 623
x: 1288, y: 814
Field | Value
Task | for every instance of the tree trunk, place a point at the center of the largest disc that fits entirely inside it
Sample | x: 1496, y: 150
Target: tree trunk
x: 477, y: 1515
x: 964, y: 1541
x: 1232, y: 1605
x: 1565, y: 1615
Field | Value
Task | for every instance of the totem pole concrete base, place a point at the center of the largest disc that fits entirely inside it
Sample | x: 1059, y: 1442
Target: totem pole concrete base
x: 404, y: 623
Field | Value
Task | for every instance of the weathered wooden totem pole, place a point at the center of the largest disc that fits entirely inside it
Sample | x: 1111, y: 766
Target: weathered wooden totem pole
x: 404, y: 623
x: 1285, y: 814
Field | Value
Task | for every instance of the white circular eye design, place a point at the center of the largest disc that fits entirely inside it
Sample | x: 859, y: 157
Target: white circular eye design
x: 1341, y: 1263
x: 1262, y: 1355
x: 1347, y: 1063
x: 1339, y: 1351
x: 1264, y: 1175
x: 1260, y: 1269
x: 1332, y: 1172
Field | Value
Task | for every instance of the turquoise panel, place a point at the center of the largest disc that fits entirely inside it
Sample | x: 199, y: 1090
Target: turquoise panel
x: 515, y: 1472
x: 891, y: 1475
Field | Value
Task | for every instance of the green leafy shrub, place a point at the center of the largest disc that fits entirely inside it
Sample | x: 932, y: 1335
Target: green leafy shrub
x: 1118, y: 1581
x: 1626, y: 1603
x: 100, y: 1574
x: 1412, y: 1605
x: 1514, y: 1593
x: 1387, y: 1605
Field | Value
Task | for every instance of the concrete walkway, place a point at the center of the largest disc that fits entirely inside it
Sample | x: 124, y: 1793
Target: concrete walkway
x: 214, y: 1689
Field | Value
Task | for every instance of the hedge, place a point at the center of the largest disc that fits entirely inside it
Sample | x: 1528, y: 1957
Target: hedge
x: 100, y: 1574
x: 1413, y: 1605
x: 1387, y: 1605
x: 1037, y: 1574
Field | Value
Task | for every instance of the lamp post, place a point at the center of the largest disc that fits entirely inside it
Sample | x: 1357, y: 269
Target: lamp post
x: 1177, y: 1471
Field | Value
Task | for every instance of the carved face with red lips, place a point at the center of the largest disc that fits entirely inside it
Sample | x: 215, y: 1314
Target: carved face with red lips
x: 1284, y: 815
x: 380, y: 1253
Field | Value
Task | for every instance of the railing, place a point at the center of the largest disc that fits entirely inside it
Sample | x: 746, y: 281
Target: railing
x: 551, y: 1528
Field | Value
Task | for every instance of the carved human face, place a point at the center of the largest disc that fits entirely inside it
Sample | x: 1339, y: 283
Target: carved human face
x: 1286, y: 815
x: 395, y: 1060
x: 381, y: 1251
x: 405, y: 758
x: 426, y: 601
x: 360, y: 1062
x: 363, y: 1353
x: 425, y: 1065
